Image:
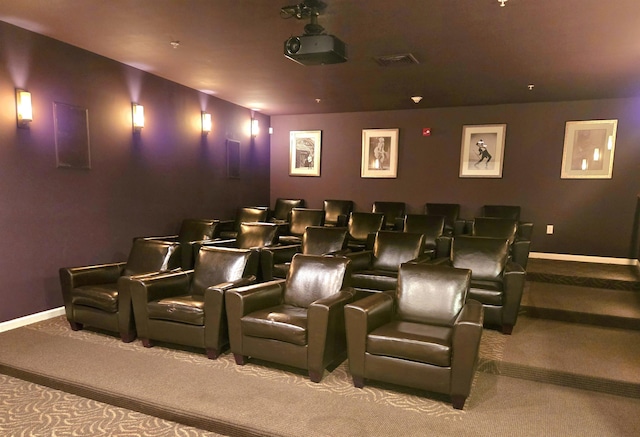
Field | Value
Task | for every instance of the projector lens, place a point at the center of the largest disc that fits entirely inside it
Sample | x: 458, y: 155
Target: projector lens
x: 293, y: 45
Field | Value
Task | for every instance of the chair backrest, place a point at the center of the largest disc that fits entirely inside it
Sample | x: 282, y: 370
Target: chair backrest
x: 284, y: 206
x: 450, y: 211
x: 147, y: 256
x: 250, y: 214
x: 495, y: 227
x: 486, y: 257
x: 394, y: 248
x: 431, y: 294
x: 501, y: 211
x: 391, y: 210
x: 197, y: 230
x: 313, y: 277
x: 431, y: 226
x: 361, y: 224
x: 320, y: 240
x: 256, y: 235
x: 301, y: 218
x: 217, y: 265
x: 335, y: 209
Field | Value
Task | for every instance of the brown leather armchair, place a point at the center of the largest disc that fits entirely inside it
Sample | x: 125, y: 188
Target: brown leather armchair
x: 453, y: 224
x: 504, y: 228
x: 525, y: 229
x: 99, y: 295
x: 436, y: 244
x: 297, y: 322
x: 191, y: 232
x: 246, y: 214
x: 337, y: 212
x: 496, y: 282
x: 362, y: 228
x: 316, y: 240
x: 300, y: 218
x: 393, y: 214
x: 426, y: 336
x: 283, y: 207
x: 187, y: 307
x: 377, y: 269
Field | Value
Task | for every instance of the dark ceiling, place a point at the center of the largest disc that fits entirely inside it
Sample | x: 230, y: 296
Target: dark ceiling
x: 470, y: 52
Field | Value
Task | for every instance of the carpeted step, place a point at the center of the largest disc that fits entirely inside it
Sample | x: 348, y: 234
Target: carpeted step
x: 595, y: 275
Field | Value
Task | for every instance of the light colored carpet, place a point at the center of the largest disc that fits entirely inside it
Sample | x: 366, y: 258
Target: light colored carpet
x: 257, y: 400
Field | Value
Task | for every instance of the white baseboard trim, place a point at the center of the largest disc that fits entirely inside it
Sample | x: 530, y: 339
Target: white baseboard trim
x: 32, y: 318
x: 584, y: 258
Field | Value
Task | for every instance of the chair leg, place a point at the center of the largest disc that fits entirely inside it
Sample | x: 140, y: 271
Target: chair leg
x: 146, y: 342
x: 358, y: 381
x: 241, y: 360
x: 75, y: 326
x: 315, y: 376
x: 127, y: 337
x: 212, y: 353
x: 458, y: 401
x: 507, y: 329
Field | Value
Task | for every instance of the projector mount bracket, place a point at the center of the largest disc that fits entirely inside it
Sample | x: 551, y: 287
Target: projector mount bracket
x: 310, y: 9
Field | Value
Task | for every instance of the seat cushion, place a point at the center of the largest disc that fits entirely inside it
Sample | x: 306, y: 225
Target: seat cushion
x: 486, y: 292
x: 412, y: 341
x: 374, y: 280
x: 284, y: 323
x: 184, y: 309
x: 103, y: 297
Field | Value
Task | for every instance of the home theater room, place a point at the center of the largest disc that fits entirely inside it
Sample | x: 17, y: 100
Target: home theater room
x: 257, y: 218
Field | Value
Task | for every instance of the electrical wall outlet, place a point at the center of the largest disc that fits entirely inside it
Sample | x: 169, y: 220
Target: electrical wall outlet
x: 549, y: 229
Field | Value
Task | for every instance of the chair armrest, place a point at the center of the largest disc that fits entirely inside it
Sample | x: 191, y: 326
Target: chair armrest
x: 445, y: 261
x: 360, y: 260
x: 72, y: 277
x: 162, y: 238
x: 459, y: 227
x: 520, y: 252
x: 465, y: 342
x: 513, y: 287
x: 443, y: 246
x: 230, y: 242
x: 280, y: 254
x: 147, y: 288
x: 362, y: 317
x: 342, y: 220
x: 421, y: 259
x: 244, y: 300
x: 525, y: 230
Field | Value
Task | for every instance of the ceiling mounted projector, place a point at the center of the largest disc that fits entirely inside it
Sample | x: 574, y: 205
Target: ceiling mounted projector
x: 314, y: 47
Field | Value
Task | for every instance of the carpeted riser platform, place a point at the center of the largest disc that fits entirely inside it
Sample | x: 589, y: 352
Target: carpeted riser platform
x: 582, y: 281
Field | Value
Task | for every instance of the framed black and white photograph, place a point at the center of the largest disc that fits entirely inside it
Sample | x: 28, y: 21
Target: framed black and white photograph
x: 482, y: 151
x: 588, y: 149
x: 71, y: 129
x: 379, y: 153
x: 304, y: 152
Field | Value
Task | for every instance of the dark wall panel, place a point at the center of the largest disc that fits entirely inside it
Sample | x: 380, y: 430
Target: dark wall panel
x: 591, y: 217
x: 138, y: 185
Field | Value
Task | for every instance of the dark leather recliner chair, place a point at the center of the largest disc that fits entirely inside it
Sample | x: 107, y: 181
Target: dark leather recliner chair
x: 362, y: 228
x: 525, y: 229
x: 187, y: 307
x: 300, y: 219
x: 192, y: 231
x: 99, y: 295
x: 504, y: 228
x: 428, y: 337
x: 337, y: 212
x: 377, y: 269
x: 496, y: 282
x: 283, y: 207
x: 316, y: 240
x: 393, y: 213
x: 453, y: 224
x: 436, y: 244
x: 246, y: 214
x: 299, y: 321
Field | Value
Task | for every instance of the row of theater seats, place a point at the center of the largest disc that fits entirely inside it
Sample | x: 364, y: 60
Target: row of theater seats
x: 299, y: 320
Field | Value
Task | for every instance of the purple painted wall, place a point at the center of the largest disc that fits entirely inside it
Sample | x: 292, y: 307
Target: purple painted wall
x: 52, y: 217
x: 591, y: 217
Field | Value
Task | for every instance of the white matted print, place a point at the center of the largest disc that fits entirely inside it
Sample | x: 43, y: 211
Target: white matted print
x: 304, y: 153
x: 588, y: 149
x: 482, y: 152
x: 379, y: 153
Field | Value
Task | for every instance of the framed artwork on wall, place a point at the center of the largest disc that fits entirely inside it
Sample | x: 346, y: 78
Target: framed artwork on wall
x: 379, y: 153
x: 233, y: 159
x: 71, y: 128
x: 588, y: 149
x: 304, y: 152
x: 482, y: 152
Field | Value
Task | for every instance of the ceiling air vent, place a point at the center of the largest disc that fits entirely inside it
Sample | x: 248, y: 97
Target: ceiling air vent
x: 402, y: 59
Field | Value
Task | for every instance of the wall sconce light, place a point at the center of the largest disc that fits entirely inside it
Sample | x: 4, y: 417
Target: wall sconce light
x: 24, y: 110
x: 255, y: 127
x: 206, y: 123
x: 585, y: 165
x: 596, y: 154
x: 137, y: 113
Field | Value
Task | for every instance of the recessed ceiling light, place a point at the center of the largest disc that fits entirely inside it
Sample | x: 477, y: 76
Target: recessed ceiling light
x: 416, y: 99
x: 175, y: 44
x: 530, y: 86
x: 318, y: 100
